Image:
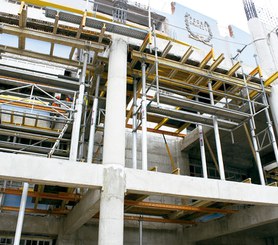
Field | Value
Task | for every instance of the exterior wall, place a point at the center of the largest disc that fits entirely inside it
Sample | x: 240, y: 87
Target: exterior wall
x: 232, y: 240
x: 88, y: 235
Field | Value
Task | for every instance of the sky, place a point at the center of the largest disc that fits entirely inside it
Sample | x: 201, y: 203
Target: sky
x: 226, y: 12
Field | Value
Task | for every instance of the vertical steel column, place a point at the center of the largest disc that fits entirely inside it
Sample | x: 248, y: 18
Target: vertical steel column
x: 217, y: 137
x: 77, y: 118
x: 134, y: 125
x: 21, y: 214
x: 256, y: 148
x: 90, y: 154
x: 111, y: 218
x: 144, y: 119
x: 83, y: 130
x: 203, y: 152
x: 140, y: 232
x: 202, y: 148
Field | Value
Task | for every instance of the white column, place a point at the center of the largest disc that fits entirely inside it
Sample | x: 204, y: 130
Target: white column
x: 21, y: 214
x: 266, y: 58
x: 78, y: 115
x: 111, y: 220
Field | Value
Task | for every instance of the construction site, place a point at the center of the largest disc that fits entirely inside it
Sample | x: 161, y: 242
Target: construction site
x: 120, y: 124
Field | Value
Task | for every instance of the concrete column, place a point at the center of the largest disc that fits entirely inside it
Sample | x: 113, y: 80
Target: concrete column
x: 273, y: 101
x: 266, y: 58
x: 111, y: 223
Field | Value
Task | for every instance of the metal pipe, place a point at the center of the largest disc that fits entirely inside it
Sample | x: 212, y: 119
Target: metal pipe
x: 144, y: 119
x: 83, y: 130
x: 149, y: 15
x: 140, y: 232
x: 217, y: 137
x: 90, y: 154
x: 134, y: 125
x: 21, y: 214
x: 256, y: 148
x: 77, y: 118
x: 156, y: 67
x: 203, y: 152
x: 202, y: 148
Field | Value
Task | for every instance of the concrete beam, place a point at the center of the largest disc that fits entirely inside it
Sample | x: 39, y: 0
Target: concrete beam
x: 151, y: 183
x: 49, y: 225
x: 73, y: 174
x: 42, y: 170
x: 50, y: 37
x: 246, y: 219
x: 192, y: 137
x: 82, y: 212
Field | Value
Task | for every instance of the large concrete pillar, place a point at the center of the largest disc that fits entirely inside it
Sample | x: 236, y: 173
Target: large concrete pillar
x: 273, y: 101
x: 111, y: 222
x: 263, y: 47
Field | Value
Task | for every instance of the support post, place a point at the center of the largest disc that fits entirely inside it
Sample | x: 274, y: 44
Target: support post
x: 217, y: 138
x: 78, y: 115
x: 90, y: 154
x: 256, y: 148
x: 203, y: 152
x: 144, y: 119
x: 134, y: 125
x: 111, y: 219
x: 156, y: 67
x: 21, y: 214
x: 202, y: 148
x: 140, y: 232
x: 83, y: 130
